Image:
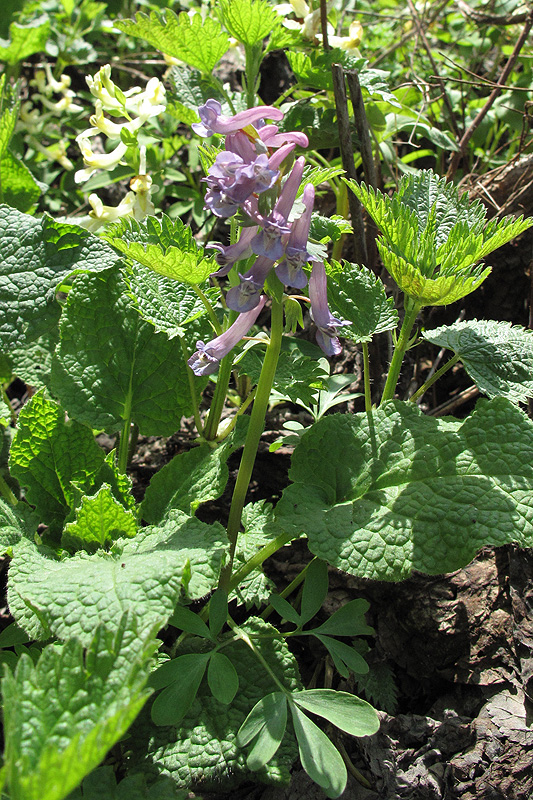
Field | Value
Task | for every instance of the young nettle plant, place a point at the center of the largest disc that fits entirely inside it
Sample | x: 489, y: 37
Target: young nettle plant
x: 377, y: 493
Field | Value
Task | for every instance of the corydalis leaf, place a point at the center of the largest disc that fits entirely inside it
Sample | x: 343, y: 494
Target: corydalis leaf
x: 402, y: 491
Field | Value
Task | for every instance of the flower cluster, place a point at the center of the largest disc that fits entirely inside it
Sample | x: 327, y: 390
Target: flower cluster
x: 253, y: 162
x: 309, y: 24
x: 136, y: 107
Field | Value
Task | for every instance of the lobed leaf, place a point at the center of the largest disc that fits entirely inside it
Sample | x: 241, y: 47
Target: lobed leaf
x: 402, y: 491
x: 181, y: 679
x: 297, y: 377
x: 498, y: 356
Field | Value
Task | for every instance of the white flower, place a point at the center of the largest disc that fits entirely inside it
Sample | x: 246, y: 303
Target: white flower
x: 93, y: 161
x: 350, y: 42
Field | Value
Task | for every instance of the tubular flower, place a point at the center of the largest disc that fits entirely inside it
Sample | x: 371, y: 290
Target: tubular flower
x: 207, y: 356
x: 272, y: 138
x: 290, y: 271
x: 247, y: 294
x: 324, y: 320
x: 93, y: 161
x: 213, y: 121
x: 227, y: 256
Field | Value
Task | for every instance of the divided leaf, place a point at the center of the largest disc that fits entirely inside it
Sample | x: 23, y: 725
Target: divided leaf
x: 498, y: 356
x: 48, y: 455
x: 382, y: 494
x: 110, y: 365
x: 320, y: 758
x: 35, y: 256
x: 344, y: 710
x: 63, y: 714
x: 358, y: 296
x: 201, y: 43
x: 145, y: 575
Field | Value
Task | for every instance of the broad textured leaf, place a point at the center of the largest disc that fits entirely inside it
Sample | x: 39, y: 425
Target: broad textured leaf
x: 63, y: 714
x: 144, y: 575
x: 102, y: 783
x: 358, y: 296
x: 498, y: 356
x: 110, y: 365
x: 189, y: 89
x: 190, y: 479
x: 201, y: 43
x: 255, y: 588
x: 203, y: 751
x: 15, y: 524
x: 48, y: 455
x: 297, y: 376
x: 314, y: 69
x: 320, y: 758
x: 18, y: 186
x: 165, y: 246
x: 249, y: 21
x: 344, y: 710
x: 167, y: 304
x: 99, y: 522
x: 25, y: 40
x: 33, y: 362
x: 383, y: 494
x: 329, y: 228
x: 35, y: 255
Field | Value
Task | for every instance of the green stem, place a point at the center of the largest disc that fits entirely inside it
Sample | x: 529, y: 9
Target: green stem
x: 242, y: 408
x: 259, y: 558
x: 289, y: 589
x: 411, y: 313
x: 210, y: 310
x: 436, y: 375
x: 219, y: 398
x: 255, y: 430
x: 192, y: 389
x: 366, y: 378
x: 245, y: 638
x: 6, y: 492
x: 124, y: 446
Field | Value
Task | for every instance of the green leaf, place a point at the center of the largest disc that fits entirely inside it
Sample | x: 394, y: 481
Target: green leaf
x: 35, y: 256
x: 48, y: 455
x: 9, y: 107
x: 344, y: 657
x: 259, y: 529
x: 13, y: 635
x: 211, y: 727
x: 346, y: 711
x: 358, y: 296
x: 348, y: 620
x: 201, y: 43
x: 16, y: 523
x: 111, y: 366
x: 25, y: 40
x: 165, y: 246
x: 382, y: 494
x: 186, y: 620
x: 498, y: 356
x: 100, y: 521
x: 171, y: 705
x: 320, y: 758
x: 62, y: 715
x: 249, y: 21
x: 222, y: 678
x: 144, y: 575
x: 18, y: 186
x: 218, y: 611
x: 189, y: 89
x: 190, y: 479
x: 315, y: 589
x: 272, y: 713
x: 285, y: 610
x: 167, y: 304
x: 32, y: 363
x: 329, y: 228
x: 101, y: 783
x: 297, y: 376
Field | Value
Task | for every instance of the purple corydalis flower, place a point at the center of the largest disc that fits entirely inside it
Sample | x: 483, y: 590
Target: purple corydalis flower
x: 270, y: 135
x: 324, y: 320
x: 247, y: 294
x: 228, y: 255
x: 236, y: 179
x: 268, y: 242
x: 290, y: 271
x: 213, y: 121
x: 207, y: 356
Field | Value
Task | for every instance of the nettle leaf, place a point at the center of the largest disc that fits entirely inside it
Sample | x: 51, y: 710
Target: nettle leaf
x: 63, y: 714
x: 25, y: 40
x: 383, y: 494
x: 318, y: 175
x: 314, y: 69
x: 189, y: 89
x: 358, y: 296
x: 317, y: 122
x: 249, y: 21
x: 48, y: 455
x: 329, y: 228
x: 35, y: 256
x: 16, y: 523
x: 168, y: 305
x: 210, y: 728
x: 164, y: 245
x: 110, y: 365
x: 297, y: 376
x: 498, y: 356
x: 100, y: 521
x: 190, y: 479
x: 144, y: 575
x: 19, y: 188
x: 102, y: 783
x: 197, y: 41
